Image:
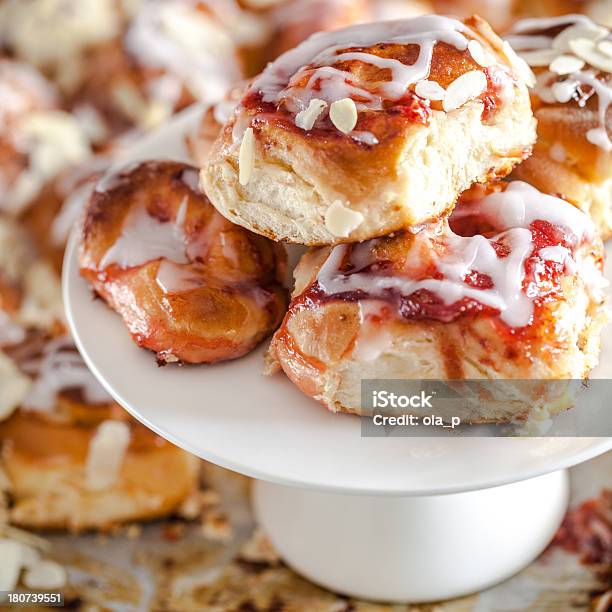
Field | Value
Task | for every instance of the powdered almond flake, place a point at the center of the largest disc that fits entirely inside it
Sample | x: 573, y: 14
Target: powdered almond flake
x: 539, y: 58
x: 605, y: 46
x: 520, y: 66
x: 10, y: 568
x: 467, y: 87
x: 340, y: 220
x: 590, y: 31
x: 563, y: 91
x: 430, y: 90
x: 589, y: 51
x: 106, y: 453
x: 343, y: 114
x: 45, y: 575
x: 566, y: 64
x: 479, y: 55
x: 308, y: 117
x: 246, y: 158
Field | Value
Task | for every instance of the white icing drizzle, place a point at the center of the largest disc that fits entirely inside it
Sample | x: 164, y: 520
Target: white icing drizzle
x: 174, y: 278
x: 521, y: 204
x: 60, y: 368
x: 71, y: 208
x: 144, y: 238
x: 75, y: 188
x: 319, y: 54
x: 193, y: 47
x: 540, y: 49
x: 511, y: 212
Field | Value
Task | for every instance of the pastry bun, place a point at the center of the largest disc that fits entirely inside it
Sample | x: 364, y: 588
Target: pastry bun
x: 74, y: 459
x: 572, y: 100
x: 345, y: 138
x: 189, y: 285
x: 510, y: 290
x: 37, y: 139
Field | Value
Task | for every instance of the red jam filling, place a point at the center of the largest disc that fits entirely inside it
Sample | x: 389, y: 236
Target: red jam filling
x: 541, y: 282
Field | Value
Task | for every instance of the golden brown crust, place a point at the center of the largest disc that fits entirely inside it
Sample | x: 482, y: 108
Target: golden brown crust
x: 299, y: 174
x: 233, y: 297
x: 45, y: 463
x: 573, y: 156
x: 323, y: 342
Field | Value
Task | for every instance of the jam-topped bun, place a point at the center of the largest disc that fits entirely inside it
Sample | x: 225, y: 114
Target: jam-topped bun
x: 510, y: 287
x: 37, y: 139
x: 189, y: 285
x: 572, y: 158
x: 74, y: 459
x: 370, y: 129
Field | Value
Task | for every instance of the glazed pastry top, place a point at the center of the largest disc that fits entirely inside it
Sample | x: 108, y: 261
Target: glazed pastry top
x: 504, y: 250
x: 339, y: 81
x: 573, y: 59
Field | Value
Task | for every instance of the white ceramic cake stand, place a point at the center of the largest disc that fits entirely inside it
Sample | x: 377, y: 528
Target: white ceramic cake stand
x: 393, y: 519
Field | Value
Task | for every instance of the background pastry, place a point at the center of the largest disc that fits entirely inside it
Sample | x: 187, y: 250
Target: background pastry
x: 51, y: 216
x: 133, y: 63
x: 74, y: 459
x: 340, y: 138
x: 190, y: 285
x: 37, y: 139
x: 30, y: 293
x: 512, y: 291
x: 502, y: 13
x: 572, y: 57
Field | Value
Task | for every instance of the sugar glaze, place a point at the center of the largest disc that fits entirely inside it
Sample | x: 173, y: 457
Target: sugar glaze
x: 60, y: 368
x: 512, y: 212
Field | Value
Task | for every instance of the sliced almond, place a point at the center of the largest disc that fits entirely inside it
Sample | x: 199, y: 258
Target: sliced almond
x: 563, y: 91
x: 45, y: 575
x: 589, y: 51
x: 246, y: 157
x: 605, y: 46
x: 557, y: 152
x: 566, y: 64
x: 580, y: 30
x: 10, y: 568
x: 105, y: 454
x: 539, y: 58
x: 343, y: 114
x: 520, y: 66
x: 479, y: 55
x: 340, y: 220
x: 467, y: 87
x: 429, y: 90
x: 599, y: 137
x: 308, y: 117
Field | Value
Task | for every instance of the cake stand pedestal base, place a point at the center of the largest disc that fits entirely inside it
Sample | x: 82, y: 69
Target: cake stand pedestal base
x: 410, y: 548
